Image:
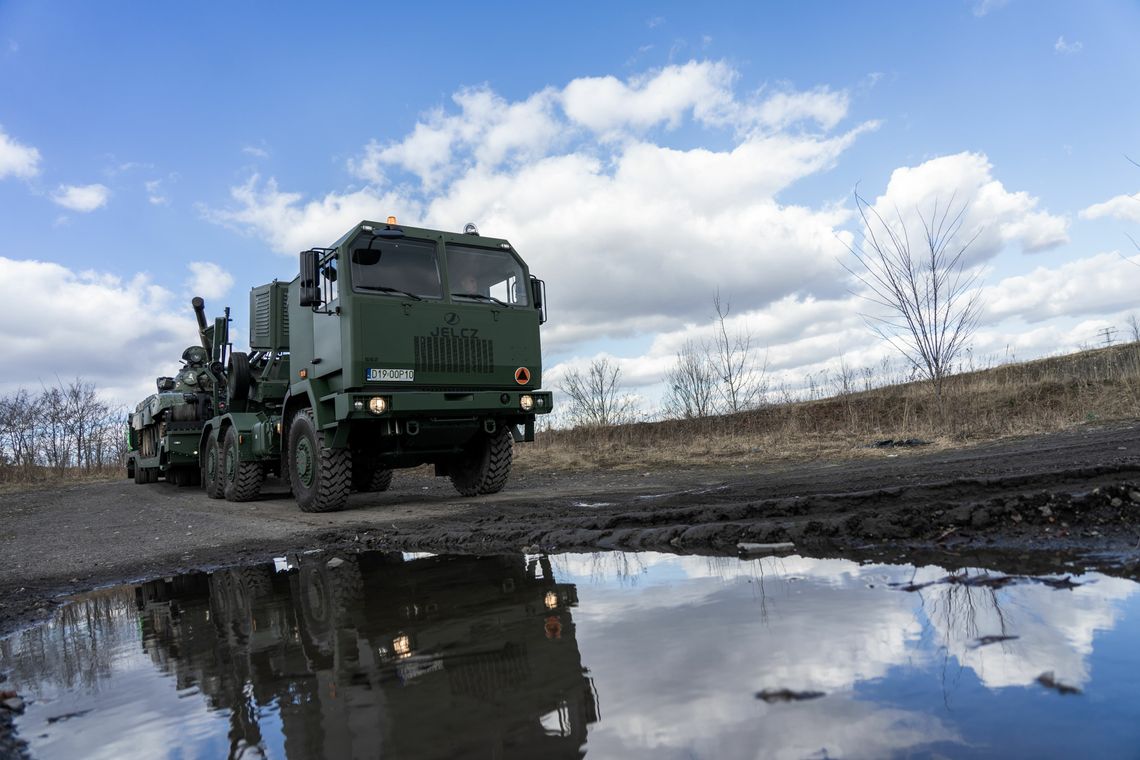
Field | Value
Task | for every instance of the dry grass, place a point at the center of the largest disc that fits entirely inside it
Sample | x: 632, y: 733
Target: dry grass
x: 1041, y: 396
x: 21, y: 479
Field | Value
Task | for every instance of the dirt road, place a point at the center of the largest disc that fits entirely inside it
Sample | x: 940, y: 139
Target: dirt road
x: 1075, y: 493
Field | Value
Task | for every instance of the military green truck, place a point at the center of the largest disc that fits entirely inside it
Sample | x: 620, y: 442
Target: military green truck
x: 395, y: 347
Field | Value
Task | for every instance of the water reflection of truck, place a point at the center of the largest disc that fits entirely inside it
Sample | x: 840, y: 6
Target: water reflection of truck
x: 378, y: 656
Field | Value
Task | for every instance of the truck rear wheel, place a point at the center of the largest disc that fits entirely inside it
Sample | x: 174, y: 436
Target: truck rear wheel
x: 367, y: 476
x: 319, y: 475
x: 241, y: 480
x: 211, y: 469
x: 486, y: 464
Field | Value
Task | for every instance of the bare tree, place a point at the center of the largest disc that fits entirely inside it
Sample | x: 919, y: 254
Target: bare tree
x: 63, y: 427
x: 927, y: 291
x: 692, y: 382
x: 596, y: 396
x: 741, y: 381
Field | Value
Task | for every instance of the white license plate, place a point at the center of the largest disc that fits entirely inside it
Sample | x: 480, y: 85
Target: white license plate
x: 374, y: 375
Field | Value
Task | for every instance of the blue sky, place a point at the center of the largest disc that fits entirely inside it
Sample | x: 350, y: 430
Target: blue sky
x: 138, y: 139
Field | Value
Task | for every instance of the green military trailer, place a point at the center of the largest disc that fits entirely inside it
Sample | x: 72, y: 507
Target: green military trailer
x: 395, y: 347
x: 164, y: 431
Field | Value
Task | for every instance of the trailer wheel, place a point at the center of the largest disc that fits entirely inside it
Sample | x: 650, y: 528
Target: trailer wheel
x: 211, y: 469
x: 485, y: 465
x: 241, y: 481
x: 319, y: 475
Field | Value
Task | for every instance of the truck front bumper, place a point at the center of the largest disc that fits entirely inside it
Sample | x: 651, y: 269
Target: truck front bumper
x: 444, y: 404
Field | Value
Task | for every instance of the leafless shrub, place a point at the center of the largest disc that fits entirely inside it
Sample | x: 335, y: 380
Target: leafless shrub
x: 927, y: 292
x: 742, y: 378
x: 596, y: 396
x: 1133, y: 327
x: 691, y: 383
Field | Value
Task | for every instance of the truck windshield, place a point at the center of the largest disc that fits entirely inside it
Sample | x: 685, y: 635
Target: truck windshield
x: 396, y: 267
x: 485, y: 274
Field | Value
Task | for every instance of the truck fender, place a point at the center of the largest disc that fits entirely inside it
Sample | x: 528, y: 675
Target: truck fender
x: 212, y: 429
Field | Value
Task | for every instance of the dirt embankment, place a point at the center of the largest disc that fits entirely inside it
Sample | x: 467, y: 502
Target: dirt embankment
x: 1071, y: 497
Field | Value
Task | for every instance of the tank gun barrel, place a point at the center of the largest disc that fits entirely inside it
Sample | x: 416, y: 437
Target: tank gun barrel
x: 200, y: 312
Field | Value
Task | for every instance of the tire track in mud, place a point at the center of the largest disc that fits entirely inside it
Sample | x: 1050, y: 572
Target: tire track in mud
x: 1089, y: 508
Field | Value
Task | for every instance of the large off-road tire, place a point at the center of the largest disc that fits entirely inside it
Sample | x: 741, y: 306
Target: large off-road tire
x: 485, y: 465
x: 212, y: 470
x: 319, y: 475
x: 130, y: 469
x: 327, y: 597
x: 367, y: 476
x: 239, y: 377
x: 241, y: 480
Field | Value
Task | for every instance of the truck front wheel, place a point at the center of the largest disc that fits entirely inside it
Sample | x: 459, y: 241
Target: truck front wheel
x: 320, y: 476
x: 242, y: 480
x: 485, y: 465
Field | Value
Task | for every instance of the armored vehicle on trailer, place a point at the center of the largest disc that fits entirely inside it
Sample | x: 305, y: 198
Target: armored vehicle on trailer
x: 395, y: 347
x: 164, y: 431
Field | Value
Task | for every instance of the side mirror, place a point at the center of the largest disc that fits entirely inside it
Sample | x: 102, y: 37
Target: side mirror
x: 310, y: 289
x: 538, y: 290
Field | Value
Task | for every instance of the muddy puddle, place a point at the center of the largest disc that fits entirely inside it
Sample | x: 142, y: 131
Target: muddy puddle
x: 608, y: 655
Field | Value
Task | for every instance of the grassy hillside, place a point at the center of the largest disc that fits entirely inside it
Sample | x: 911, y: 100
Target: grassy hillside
x: 1016, y: 399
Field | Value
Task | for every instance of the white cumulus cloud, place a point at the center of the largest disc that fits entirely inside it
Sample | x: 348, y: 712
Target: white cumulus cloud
x: 17, y: 159
x: 118, y: 333
x: 291, y: 224
x: 1124, y: 207
x: 208, y: 279
x: 595, y: 215
x: 605, y: 104
x: 1093, y: 285
x: 82, y: 198
x: 994, y: 216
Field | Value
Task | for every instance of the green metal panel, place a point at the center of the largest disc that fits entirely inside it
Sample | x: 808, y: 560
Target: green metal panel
x: 269, y: 317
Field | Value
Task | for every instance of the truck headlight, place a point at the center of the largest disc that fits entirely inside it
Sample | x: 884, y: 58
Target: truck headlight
x: 377, y: 404
x: 526, y: 402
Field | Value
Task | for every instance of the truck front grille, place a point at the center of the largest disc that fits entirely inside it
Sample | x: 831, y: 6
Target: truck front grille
x: 454, y: 354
